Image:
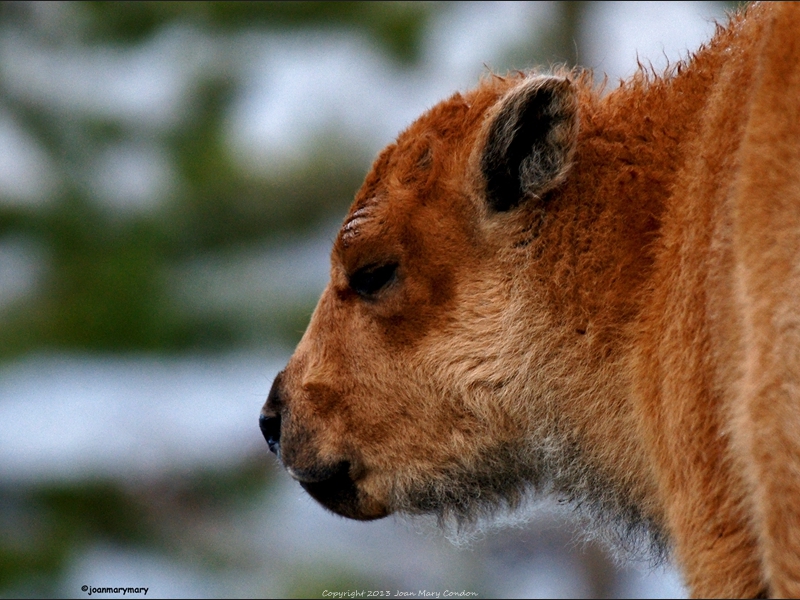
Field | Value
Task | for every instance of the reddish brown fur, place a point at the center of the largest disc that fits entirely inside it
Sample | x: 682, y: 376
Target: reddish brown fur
x: 628, y: 336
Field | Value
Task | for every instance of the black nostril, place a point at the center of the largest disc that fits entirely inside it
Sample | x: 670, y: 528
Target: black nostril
x: 271, y: 425
x: 271, y: 428
x: 275, y: 398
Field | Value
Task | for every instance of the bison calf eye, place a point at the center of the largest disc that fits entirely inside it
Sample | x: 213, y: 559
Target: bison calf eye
x: 370, y: 280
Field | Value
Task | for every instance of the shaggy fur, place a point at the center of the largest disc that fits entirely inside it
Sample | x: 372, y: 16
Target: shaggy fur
x: 541, y: 288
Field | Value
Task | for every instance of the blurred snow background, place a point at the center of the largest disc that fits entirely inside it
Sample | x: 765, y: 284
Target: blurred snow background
x: 167, y: 201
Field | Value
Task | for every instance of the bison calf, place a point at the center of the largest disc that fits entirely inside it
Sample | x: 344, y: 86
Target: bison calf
x: 542, y: 288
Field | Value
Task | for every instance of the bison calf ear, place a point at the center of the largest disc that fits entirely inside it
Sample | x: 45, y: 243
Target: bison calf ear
x: 530, y: 141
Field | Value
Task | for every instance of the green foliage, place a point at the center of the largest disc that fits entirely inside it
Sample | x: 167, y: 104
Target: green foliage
x: 45, y: 525
x: 107, y: 283
x: 396, y: 26
x: 64, y: 518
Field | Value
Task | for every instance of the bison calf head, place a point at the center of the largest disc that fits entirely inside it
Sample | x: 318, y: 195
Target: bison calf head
x: 418, y: 382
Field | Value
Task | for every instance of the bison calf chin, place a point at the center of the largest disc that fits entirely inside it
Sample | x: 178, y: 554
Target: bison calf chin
x: 541, y: 288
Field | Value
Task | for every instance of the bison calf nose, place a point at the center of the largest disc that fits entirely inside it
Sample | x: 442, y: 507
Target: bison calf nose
x: 271, y: 428
x: 270, y: 419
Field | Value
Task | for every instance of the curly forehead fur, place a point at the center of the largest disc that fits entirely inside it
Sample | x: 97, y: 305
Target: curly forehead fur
x: 544, y: 288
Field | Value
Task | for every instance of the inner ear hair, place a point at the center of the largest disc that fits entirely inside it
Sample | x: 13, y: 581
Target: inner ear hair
x: 530, y: 141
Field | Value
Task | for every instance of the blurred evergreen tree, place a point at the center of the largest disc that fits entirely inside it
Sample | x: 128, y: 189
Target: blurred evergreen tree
x: 106, y: 287
x: 396, y: 26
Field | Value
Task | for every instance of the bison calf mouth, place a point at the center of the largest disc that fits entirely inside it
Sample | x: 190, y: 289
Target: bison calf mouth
x: 340, y: 494
x: 331, y: 486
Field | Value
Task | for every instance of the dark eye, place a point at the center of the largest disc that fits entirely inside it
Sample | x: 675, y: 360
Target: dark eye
x: 370, y: 280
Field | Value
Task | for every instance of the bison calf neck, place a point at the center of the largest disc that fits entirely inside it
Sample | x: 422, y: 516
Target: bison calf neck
x: 542, y: 288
